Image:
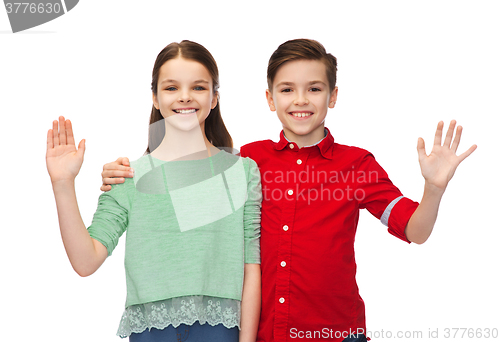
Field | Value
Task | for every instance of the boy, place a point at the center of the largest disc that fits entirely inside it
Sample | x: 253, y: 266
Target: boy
x: 312, y: 191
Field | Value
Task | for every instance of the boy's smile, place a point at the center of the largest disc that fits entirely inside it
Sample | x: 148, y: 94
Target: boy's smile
x: 301, y: 97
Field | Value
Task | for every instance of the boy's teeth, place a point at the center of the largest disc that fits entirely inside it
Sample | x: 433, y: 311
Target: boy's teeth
x: 185, y: 111
x: 301, y: 115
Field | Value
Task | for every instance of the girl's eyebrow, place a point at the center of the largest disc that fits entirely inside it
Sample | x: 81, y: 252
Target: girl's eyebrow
x: 174, y: 81
x: 291, y: 83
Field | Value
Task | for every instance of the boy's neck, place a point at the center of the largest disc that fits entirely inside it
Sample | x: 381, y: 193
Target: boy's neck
x: 309, y: 139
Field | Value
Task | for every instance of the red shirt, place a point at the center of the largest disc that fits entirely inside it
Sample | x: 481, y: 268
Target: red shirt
x: 310, y: 210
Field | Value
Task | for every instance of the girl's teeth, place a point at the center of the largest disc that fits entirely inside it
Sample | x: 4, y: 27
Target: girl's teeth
x: 301, y: 115
x: 185, y: 111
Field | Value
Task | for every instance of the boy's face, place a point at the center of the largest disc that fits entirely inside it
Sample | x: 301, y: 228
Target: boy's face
x: 301, y: 97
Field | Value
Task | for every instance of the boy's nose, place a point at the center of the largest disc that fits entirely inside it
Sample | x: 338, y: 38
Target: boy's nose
x: 301, y: 100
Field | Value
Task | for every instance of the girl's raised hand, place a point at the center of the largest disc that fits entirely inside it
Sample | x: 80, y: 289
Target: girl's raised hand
x: 439, y: 166
x: 63, y: 159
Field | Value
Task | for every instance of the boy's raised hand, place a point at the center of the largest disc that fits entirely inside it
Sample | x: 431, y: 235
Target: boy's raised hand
x: 439, y: 166
x: 113, y: 173
x: 63, y: 159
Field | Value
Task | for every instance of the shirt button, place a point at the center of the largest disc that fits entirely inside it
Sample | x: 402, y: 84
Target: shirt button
x: 283, y: 263
x: 282, y: 300
x: 299, y: 161
x: 290, y: 192
x: 291, y: 145
x: 285, y: 227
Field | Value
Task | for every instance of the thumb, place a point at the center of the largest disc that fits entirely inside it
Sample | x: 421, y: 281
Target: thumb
x: 81, y: 148
x: 421, y: 148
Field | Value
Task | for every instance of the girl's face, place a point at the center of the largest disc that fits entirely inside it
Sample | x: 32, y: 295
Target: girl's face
x: 185, y: 93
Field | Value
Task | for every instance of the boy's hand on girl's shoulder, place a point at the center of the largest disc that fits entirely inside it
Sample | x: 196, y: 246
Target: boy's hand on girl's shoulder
x: 439, y: 166
x: 115, y: 173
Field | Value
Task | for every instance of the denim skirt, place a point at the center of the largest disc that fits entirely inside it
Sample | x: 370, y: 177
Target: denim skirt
x: 189, y: 333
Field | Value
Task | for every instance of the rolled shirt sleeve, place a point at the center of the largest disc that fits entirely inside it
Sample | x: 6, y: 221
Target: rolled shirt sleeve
x: 110, y: 219
x: 383, y: 199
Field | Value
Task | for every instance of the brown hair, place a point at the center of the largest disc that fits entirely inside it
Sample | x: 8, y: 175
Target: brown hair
x: 215, y: 130
x: 298, y: 49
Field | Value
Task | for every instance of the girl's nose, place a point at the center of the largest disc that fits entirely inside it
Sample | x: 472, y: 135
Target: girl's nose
x: 184, y: 96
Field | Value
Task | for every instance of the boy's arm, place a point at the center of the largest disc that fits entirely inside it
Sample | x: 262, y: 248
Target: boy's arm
x: 250, y: 303
x: 114, y: 173
x: 63, y: 164
x: 437, y: 168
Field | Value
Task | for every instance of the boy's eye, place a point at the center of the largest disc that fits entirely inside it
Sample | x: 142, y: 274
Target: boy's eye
x: 286, y: 90
x: 315, y: 89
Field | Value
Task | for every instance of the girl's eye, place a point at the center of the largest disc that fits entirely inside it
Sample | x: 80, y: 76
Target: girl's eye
x: 170, y: 89
x: 199, y: 88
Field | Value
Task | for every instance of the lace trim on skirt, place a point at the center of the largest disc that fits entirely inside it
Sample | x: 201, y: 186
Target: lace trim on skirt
x: 181, y: 310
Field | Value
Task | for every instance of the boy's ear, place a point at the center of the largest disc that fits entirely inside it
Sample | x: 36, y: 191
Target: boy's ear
x: 155, y: 101
x: 215, y: 99
x: 270, y: 101
x: 333, y: 97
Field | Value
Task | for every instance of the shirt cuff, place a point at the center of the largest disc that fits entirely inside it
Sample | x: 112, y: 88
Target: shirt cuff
x: 397, y: 214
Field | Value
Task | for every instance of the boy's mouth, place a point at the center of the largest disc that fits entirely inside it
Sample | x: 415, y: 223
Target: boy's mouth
x: 300, y: 114
x: 185, y: 110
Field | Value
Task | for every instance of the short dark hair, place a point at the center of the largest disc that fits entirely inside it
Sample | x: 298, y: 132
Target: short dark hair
x: 297, y: 49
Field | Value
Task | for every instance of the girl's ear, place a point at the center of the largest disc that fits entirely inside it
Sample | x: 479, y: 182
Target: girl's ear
x: 270, y: 101
x: 155, y: 102
x: 215, y: 99
x: 333, y: 97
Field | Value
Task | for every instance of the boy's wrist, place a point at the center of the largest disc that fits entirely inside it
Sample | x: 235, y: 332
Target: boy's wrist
x: 432, y: 189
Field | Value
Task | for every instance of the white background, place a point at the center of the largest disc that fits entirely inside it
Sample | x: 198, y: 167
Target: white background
x: 403, y: 66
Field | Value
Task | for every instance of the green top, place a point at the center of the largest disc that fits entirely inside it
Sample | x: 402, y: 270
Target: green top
x: 191, y: 225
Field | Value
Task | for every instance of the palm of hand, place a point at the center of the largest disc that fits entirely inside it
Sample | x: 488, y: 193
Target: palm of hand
x: 439, y: 166
x: 63, y: 159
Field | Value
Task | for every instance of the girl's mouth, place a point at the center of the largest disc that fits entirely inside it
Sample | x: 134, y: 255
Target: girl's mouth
x: 185, y: 111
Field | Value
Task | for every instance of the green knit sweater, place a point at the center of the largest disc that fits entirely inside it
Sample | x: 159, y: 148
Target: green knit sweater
x: 191, y: 225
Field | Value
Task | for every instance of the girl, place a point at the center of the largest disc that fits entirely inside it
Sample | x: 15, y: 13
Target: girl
x: 191, y: 211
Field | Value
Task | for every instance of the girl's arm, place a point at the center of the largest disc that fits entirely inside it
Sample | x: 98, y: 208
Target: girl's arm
x: 63, y: 164
x: 250, y: 303
x: 437, y: 168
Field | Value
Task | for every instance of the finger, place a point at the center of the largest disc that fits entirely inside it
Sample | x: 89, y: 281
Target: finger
x: 466, y: 153
x: 105, y: 187
x: 55, y: 133
x: 421, y: 148
x: 62, y: 131
x: 449, y: 134
x: 107, y: 181
x: 50, y: 140
x: 114, y: 166
x: 69, y: 133
x: 123, y: 161
x: 115, y: 173
x: 456, y: 141
x: 439, y: 133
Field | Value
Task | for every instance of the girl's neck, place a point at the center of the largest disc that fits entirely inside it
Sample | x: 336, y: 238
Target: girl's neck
x: 184, y: 145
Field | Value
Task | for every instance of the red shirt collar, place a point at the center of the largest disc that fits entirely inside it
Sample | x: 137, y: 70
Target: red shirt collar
x: 325, y: 145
